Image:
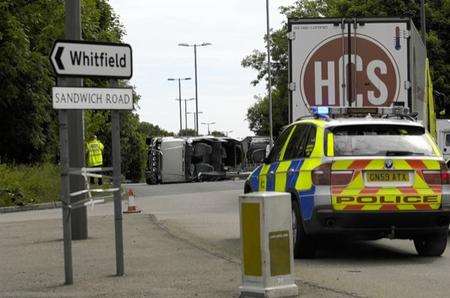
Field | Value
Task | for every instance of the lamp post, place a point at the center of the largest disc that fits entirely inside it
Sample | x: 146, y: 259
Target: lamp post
x: 195, y: 117
x: 185, y: 111
x: 208, y: 124
x: 269, y: 74
x: 179, y: 95
x: 196, y: 78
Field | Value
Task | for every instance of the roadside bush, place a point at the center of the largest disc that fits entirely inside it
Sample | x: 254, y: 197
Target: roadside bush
x: 24, y: 185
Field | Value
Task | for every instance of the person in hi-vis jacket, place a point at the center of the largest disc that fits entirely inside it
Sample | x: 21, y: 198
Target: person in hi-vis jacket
x: 94, y: 150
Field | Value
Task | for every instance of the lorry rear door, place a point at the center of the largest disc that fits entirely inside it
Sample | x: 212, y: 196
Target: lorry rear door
x: 379, y: 55
x: 355, y: 63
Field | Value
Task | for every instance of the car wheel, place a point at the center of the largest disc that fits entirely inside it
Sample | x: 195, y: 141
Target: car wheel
x: 431, y: 245
x: 304, y: 245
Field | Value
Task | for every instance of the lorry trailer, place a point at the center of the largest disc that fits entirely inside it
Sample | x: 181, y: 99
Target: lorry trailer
x: 359, y: 62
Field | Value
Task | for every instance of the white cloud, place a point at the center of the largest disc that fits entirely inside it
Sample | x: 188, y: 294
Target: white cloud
x: 235, y: 28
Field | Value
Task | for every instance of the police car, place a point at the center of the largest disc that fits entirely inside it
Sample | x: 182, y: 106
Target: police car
x: 363, y: 177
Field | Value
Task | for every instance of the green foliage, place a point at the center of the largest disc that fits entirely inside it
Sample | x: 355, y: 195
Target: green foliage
x: 27, y: 31
x: 29, y: 125
x: 217, y: 133
x: 23, y: 185
x: 187, y: 132
x: 438, y: 42
x: 150, y: 130
x: 26, y: 117
x: 132, y: 141
x: 258, y: 114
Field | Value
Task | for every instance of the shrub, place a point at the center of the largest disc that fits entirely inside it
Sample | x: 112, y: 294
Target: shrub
x: 24, y: 185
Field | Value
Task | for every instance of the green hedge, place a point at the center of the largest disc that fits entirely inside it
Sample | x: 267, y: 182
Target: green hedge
x: 24, y: 185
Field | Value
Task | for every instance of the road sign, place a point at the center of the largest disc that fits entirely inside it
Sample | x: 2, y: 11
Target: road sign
x: 92, y: 98
x: 92, y: 59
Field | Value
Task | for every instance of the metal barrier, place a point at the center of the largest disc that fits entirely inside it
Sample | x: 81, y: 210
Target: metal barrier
x: 87, y: 173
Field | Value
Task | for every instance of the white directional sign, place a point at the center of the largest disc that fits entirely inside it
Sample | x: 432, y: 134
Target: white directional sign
x: 92, y: 98
x: 80, y: 58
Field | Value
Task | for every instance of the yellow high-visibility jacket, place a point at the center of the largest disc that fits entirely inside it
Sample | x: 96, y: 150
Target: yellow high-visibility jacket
x: 95, y: 150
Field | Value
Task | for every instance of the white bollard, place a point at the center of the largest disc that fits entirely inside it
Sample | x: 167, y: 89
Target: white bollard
x: 266, y: 245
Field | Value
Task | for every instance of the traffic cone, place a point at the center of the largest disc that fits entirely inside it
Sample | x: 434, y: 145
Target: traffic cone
x: 132, y: 208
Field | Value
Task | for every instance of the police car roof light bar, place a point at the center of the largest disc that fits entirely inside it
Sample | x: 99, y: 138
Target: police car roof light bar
x: 386, y: 112
x: 321, y: 112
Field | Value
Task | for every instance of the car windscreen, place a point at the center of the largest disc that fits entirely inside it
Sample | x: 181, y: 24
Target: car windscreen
x: 381, y: 140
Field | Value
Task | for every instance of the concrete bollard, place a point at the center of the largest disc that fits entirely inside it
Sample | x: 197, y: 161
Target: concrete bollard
x: 266, y: 245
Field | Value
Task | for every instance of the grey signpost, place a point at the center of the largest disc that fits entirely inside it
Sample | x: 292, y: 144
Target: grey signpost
x: 90, y: 59
x: 78, y: 218
x: 115, y: 131
x: 65, y: 195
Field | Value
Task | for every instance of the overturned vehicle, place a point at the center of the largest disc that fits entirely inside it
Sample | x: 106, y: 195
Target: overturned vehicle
x: 172, y: 159
x: 255, y: 149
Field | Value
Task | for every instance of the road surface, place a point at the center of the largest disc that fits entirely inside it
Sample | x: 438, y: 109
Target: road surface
x: 207, y: 213
x: 205, y: 216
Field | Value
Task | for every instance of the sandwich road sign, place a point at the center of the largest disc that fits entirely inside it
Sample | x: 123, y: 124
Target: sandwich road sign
x: 92, y: 59
x: 77, y: 98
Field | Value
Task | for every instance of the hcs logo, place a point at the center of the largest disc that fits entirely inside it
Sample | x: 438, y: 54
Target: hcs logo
x: 373, y: 79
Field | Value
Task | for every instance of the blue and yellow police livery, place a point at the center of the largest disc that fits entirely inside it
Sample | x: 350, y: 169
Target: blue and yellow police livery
x: 367, y: 178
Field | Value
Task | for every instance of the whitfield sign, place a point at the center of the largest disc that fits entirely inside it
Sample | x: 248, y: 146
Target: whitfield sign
x: 84, y: 59
x: 95, y: 59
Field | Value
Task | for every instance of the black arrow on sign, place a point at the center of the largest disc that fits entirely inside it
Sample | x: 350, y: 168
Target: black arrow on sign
x: 58, y: 58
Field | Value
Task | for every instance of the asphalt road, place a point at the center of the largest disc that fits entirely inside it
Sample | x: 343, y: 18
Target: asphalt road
x: 207, y: 215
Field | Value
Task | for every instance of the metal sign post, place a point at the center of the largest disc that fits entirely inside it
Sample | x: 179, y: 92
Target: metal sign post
x: 115, y: 139
x: 76, y: 58
x: 75, y: 119
x: 65, y: 196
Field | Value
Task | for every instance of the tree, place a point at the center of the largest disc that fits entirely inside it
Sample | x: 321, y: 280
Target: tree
x: 438, y: 39
x: 28, y: 130
x: 187, y: 132
x: 150, y: 130
x: 29, y: 125
x: 217, y: 133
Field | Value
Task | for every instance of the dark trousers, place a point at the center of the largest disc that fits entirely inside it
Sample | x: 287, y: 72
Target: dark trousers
x: 92, y: 180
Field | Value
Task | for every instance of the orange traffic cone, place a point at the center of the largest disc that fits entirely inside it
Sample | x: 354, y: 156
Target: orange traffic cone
x: 132, y: 208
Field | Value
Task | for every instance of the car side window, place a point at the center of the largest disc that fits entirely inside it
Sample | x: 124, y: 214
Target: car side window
x: 311, y: 141
x: 274, y: 154
x: 298, y: 142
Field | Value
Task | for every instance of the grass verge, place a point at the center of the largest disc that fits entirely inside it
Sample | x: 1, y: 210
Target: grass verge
x: 24, y: 185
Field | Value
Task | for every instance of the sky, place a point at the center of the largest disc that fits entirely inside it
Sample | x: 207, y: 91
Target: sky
x: 234, y: 28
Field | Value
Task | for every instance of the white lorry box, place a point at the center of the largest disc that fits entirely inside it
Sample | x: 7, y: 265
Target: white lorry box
x: 356, y: 63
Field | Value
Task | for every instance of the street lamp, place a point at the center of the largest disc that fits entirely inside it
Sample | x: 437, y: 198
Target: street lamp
x: 185, y: 110
x: 195, y: 117
x: 269, y: 74
x: 196, y: 79
x: 179, y: 95
x: 208, y: 124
